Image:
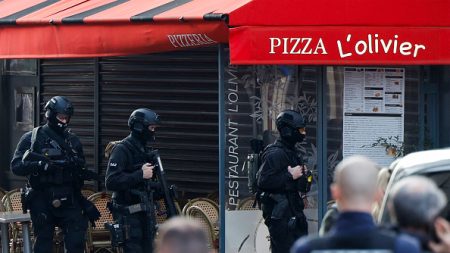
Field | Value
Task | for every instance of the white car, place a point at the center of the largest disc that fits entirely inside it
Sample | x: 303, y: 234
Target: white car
x: 434, y: 164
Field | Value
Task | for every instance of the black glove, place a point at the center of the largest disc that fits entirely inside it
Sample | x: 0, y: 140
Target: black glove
x: 40, y: 166
x: 91, y: 211
x: 35, y: 161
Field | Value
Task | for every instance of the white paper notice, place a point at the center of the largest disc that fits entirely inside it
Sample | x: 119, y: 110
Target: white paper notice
x: 373, y: 108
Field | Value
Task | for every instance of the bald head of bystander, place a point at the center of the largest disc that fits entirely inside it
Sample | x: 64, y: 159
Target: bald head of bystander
x: 181, y: 235
x: 355, y: 184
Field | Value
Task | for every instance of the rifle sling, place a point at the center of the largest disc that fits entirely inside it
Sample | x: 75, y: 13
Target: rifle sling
x: 34, y: 134
x: 61, y: 142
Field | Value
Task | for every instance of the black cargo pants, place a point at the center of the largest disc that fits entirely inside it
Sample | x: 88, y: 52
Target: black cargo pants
x: 284, y: 227
x: 69, y: 218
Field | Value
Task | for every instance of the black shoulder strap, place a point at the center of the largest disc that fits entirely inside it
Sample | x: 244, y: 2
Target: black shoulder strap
x: 34, y: 134
x: 128, y: 149
x: 273, y: 145
x: 276, y: 145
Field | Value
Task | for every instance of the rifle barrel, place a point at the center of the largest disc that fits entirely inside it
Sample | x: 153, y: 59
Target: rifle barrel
x: 168, y: 199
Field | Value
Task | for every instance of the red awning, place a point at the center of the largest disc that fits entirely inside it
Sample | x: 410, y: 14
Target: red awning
x: 341, y: 32
x: 92, y: 28
x: 259, y: 31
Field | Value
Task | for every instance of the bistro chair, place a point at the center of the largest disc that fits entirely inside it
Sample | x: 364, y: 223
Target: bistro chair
x: 248, y: 204
x: 209, y: 207
x: 87, y: 192
x: 197, y: 214
x: 98, y: 237
x: 2, y: 193
x: 161, y: 211
x: 12, y: 202
x: 214, y: 196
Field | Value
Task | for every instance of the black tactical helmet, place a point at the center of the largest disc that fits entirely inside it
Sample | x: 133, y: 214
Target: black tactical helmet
x: 288, y: 124
x: 139, y: 121
x: 58, y: 105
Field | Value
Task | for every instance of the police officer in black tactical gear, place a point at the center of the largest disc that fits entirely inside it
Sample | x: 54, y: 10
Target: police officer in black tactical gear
x: 283, y: 181
x: 52, y: 159
x: 128, y: 175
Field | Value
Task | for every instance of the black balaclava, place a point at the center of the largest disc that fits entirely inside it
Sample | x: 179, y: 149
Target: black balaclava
x: 139, y: 122
x: 288, y: 123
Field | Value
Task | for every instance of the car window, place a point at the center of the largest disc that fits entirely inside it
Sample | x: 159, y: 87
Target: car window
x: 441, y: 178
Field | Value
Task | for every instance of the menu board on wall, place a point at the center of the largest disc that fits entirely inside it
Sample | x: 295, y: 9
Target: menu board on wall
x: 373, y: 109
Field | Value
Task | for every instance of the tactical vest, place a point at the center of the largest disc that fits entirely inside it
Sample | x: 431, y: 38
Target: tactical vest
x: 58, y: 176
x: 135, y: 160
x: 295, y: 203
x: 293, y: 160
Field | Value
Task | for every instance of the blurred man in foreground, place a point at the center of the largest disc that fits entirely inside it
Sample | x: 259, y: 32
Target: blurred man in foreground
x: 414, y: 205
x: 355, y: 189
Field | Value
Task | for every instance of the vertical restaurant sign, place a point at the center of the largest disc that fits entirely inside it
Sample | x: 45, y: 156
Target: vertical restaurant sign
x: 233, y: 158
x: 238, y: 129
x: 253, y: 97
x: 373, y: 108
x: 339, y: 45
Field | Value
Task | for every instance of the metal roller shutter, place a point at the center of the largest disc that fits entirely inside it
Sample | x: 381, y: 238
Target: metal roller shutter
x: 74, y: 79
x: 182, y: 88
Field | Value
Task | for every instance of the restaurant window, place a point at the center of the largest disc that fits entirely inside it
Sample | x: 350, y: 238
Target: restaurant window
x: 24, y: 108
x: 254, y: 96
x: 20, y: 67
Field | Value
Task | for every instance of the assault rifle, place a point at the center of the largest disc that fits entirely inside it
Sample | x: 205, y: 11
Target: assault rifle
x: 169, y: 192
x: 146, y: 195
x: 147, y: 206
x: 70, y: 162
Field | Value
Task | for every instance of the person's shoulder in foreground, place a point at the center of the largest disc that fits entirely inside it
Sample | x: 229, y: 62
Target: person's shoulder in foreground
x: 403, y: 244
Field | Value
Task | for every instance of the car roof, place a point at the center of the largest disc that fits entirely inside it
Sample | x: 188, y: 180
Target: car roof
x: 423, y: 161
